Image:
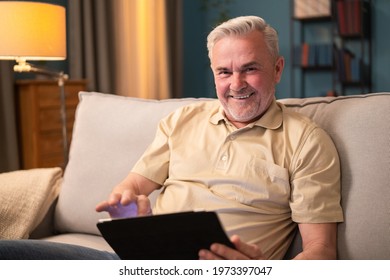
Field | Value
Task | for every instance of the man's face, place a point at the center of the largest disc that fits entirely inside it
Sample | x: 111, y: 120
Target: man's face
x: 245, y: 76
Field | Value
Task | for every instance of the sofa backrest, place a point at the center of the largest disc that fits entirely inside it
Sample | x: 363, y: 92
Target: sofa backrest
x: 111, y: 132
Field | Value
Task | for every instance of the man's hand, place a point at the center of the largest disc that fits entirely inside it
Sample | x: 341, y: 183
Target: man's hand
x: 125, y: 205
x: 129, y: 198
x: 243, y: 251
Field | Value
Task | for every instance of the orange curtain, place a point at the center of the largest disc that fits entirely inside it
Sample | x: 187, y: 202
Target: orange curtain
x: 141, y: 49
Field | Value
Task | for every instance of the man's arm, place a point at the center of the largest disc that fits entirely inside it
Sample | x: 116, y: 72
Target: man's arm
x: 319, y: 241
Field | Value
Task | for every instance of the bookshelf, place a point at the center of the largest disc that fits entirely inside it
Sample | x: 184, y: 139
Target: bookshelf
x: 330, y: 47
x: 353, y: 54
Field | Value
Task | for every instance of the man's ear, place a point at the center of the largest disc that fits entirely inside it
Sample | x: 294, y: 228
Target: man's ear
x: 279, y: 66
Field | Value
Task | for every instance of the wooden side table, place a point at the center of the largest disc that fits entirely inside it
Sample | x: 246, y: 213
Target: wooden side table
x: 39, y: 120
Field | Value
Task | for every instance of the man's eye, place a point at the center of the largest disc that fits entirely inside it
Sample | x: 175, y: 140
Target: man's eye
x: 224, y: 73
x: 250, y: 69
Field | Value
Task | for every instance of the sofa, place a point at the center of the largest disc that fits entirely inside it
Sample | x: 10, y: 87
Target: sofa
x: 111, y: 132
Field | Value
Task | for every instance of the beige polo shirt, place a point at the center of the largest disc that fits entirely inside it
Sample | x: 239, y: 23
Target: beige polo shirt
x: 260, y: 179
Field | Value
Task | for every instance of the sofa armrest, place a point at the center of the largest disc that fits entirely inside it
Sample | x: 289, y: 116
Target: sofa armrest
x: 25, y: 198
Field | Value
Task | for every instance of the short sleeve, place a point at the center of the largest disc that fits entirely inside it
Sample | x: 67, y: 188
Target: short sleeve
x: 315, y: 181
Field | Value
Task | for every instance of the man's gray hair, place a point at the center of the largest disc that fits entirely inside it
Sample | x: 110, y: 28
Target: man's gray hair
x: 241, y: 26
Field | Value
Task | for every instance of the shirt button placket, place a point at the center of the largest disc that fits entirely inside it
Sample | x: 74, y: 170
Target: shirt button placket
x: 224, y: 161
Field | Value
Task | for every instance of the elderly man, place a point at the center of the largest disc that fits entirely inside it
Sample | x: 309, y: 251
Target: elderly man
x: 262, y: 168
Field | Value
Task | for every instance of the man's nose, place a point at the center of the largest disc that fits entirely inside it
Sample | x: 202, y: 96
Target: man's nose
x: 238, y: 82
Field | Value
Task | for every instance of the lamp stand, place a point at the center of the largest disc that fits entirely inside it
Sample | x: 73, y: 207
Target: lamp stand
x: 23, y: 66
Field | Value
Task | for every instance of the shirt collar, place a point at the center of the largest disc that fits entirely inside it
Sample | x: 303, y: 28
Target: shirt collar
x: 272, y: 119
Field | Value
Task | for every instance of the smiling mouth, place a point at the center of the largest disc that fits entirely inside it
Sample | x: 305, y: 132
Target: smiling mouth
x: 241, y: 97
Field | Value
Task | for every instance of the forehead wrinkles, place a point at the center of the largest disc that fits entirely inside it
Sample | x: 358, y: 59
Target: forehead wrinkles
x: 227, y: 54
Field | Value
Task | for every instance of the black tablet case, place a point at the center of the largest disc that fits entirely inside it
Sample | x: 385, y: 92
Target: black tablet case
x: 177, y: 236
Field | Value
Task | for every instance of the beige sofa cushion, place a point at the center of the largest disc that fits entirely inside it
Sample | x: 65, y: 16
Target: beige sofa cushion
x: 110, y: 134
x: 25, y: 197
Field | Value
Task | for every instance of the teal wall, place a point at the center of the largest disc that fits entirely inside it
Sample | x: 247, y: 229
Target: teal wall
x: 197, y: 23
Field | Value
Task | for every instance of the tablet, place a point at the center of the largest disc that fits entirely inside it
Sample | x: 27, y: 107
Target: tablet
x: 177, y: 236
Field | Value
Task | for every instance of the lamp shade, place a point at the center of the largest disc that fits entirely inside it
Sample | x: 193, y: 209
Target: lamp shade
x: 32, y: 31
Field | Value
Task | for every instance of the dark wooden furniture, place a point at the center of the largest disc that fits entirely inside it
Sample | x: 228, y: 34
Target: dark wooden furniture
x: 39, y: 120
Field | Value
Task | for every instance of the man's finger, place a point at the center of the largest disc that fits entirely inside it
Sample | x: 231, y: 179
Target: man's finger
x: 114, y: 198
x: 250, y: 250
x: 143, y: 204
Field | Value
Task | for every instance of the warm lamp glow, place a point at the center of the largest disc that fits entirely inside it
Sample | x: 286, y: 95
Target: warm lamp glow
x: 35, y: 31
x: 32, y: 31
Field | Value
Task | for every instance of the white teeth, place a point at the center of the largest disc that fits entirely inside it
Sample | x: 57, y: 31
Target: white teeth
x: 241, y: 97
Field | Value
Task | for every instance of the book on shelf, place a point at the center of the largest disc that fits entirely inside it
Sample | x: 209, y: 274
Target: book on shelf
x: 353, y: 17
x: 350, y: 68
x: 305, y: 55
x: 313, y: 55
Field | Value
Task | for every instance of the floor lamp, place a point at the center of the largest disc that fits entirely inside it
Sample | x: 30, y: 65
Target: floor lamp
x: 35, y: 31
